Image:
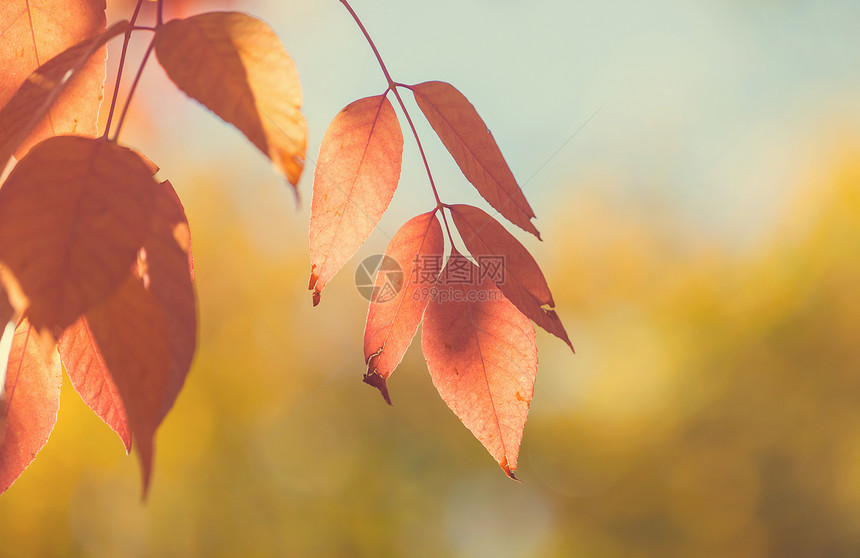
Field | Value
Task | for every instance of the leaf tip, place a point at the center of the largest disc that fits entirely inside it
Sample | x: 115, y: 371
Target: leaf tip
x: 507, y: 469
x: 376, y: 380
x: 297, y: 195
x: 312, y: 285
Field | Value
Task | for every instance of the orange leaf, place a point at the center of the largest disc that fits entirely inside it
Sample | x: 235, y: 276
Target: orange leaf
x: 391, y: 324
x: 483, y: 360
x: 91, y: 379
x: 131, y: 333
x: 237, y: 67
x: 470, y: 142
x: 34, y: 31
x: 31, y: 102
x: 168, y: 275
x: 355, y: 178
x: 29, y: 403
x: 518, y: 276
x: 73, y: 215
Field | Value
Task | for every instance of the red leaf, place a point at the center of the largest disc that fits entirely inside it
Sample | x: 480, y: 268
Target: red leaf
x: 73, y: 215
x: 355, y: 178
x: 237, y: 67
x: 91, y: 378
x: 483, y: 360
x: 34, y: 31
x: 131, y: 334
x: 31, y: 102
x: 470, y: 142
x: 391, y: 324
x: 521, y: 280
x: 29, y: 403
x: 168, y: 275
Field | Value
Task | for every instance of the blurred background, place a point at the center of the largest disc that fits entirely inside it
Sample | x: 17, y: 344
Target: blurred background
x: 695, y: 169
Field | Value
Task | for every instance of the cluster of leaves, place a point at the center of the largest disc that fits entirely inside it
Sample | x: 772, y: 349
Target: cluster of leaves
x: 95, y: 252
x: 477, y: 335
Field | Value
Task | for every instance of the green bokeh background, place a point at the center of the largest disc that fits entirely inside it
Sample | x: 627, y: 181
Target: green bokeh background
x: 702, y: 240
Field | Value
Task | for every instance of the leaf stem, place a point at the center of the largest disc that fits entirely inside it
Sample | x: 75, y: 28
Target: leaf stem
x: 346, y: 5
x: 392, y: 86
x: 133, y: 88
x: 126, y: 39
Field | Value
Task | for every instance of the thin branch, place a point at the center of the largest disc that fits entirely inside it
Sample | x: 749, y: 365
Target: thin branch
x: 392, y: 85
x: 132, y: 90
x: 125, y: 41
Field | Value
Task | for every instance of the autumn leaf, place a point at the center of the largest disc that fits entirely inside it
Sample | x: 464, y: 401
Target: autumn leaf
x: 31, y: 33
x: 165, y: 269
x: 167, y: 273
x: 519, y: 277
x: 91, y: 378
x: 391, y: 324
x: 29, y: 403
x: 355, y: 178
x: 32, y: 101
x: 237, y: 67
x: 131, y: 333
x: 470, y: 142
x: 73, y: 215
x: 483, y: 360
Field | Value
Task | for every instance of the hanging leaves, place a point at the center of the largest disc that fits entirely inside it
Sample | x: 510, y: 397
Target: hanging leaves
x: 96, y: 253
x: 516, y: 272
x: 83, y: 208
x: 392, y: 323
x: 483, y: 360
x: 31, y: 33
x: 470, y: 142
x: 237, y: 67
x: 29, y: 402
x: 356, y: 174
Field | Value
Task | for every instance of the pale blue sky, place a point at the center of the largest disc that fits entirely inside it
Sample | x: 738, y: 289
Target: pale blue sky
x: 711, y: 108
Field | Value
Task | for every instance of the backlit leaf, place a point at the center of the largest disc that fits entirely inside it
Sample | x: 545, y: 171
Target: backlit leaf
x: 237, y: 67
x: 131, y: 333
x: 470, y: 142
x: 509, y: 264
x: 91, y: 378
x: 29, y: 402
x: 28, y: 107
x: 483, y: 360
x: 167, y: 274
x: 392, y: 322
x: 355, y: 178
x: 73, y: 216
x: 34, y: 31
